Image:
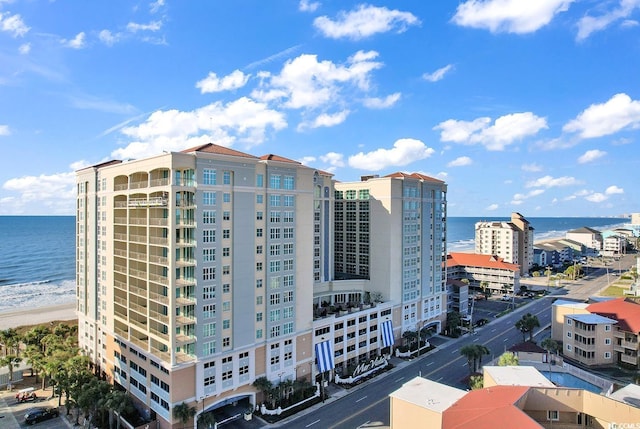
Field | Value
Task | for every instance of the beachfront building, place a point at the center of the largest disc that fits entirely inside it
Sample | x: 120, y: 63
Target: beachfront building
x: 484, y: 272
x: 614, y: 245
x: 512, y: 240
x: 198, y: 270
x: 524, y: 401
x: 590, y: 237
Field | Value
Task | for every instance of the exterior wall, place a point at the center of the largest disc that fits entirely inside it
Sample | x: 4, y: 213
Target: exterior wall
x: 406, y: 415
x: 495, y: 277
x: 589, y: 344
x: 590, y: 240
x: 558, y: 314
x: 512, y: 241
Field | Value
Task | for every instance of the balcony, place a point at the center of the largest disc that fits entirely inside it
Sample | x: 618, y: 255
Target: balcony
x: 630, y: 359
x: 158, y: 221
x: 148, y: 202
x: 158, y: 278
x: 185, y: 339
x: 159, y: 298
x: 185, y: 320
x: 159, y: 260
x: 159, y: 182
x: 138, y: 273
x: 186, y: 282
x: 160, y: 241
x: 159, y: 317
x: 186, y: 300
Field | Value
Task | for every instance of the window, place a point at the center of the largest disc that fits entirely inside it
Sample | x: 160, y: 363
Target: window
x: 209, y: 198
x: 287, y: 296
x: 287, y: 313
x: 260, y: 180
x: 259, y: 317
x: 226, y: 197
x: 274, y: 233
x: 569, y: 321
x: 259, y: 232
x: 274, y: 181
x: 287, y: 264
x: 288, y: 328
x: 258, y: 333
x: 259, y: 199
x: 274, y: 299
x: 274, y: 250
x: 209, y: 348
x: 208, y: 273
x: 275, y: 331
x: 209, y: 176
x: 288, y: 200
x: 568, y: 347
x: 288, y: 182
x: 287, y: 249
x: 226, y: 342
x: 227, y: 375
x: 274, y: 216
x: 568, y: 334
x: 226, y: 233
x: 274, y: 315
x: 209, y: 311
x: 607, y: 328
x: 553, y: 415
x: 274, y: 266
x: 274, y: 200
x: 607, y: 341
x: 209, y: 329
x: 258, y: 283
x: 226, y: 178
x: 607, y: 355
x: 226, y: 324
x: 208, y: 381
x: 209, y: 255
x: 208, y: 235
x: 226, y: 215
x: 226, y: 288
x: 208, y: 292
x: 259, y: 250
x: 226, y: 270
x: 226, y: 306
x: 259, y: 215
x: 288, y: 233
x: 225, y: 251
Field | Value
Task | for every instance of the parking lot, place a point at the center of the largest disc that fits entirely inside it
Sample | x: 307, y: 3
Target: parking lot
x: 12, y: 412
x: 490, y: 308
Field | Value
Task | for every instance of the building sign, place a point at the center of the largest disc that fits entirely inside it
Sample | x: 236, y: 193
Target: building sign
x: 373, y: 363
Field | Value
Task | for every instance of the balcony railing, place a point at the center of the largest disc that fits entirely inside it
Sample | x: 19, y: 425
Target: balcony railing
x: 148, y: 202
x: 158, y: 297
x: 158, y: 182
x: 157, y: 278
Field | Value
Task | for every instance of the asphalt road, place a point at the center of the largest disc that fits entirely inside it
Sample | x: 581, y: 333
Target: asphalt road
x: 367, y: 406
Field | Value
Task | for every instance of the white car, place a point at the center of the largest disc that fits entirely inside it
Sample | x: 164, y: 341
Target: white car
x: 505, y: 298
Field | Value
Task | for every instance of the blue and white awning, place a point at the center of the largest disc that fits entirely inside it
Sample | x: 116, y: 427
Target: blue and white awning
x: 387, y: 334
x: 324, y: 356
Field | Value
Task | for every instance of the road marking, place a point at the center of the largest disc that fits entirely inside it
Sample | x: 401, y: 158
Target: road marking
x: 440, y: 379
x: 361, y: 399
x: 365, y: 423
x: 493, y: 330
x: 464, y: 364
x: 401, y: 378
x: 475, y: 339
x: 312, y: 423
x: 430, y: 363
x: 455, y: 351
x: 505, y: 339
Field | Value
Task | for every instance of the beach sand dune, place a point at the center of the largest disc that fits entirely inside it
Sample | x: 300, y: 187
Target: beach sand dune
x: 37, y: 315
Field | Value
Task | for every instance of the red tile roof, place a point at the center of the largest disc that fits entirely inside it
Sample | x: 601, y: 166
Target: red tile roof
x: 627, y: 313
x: 489, y: 408
x: 272, y: 157
x: 418, y: 176
x: 479, y: 260
x: 217, y: 149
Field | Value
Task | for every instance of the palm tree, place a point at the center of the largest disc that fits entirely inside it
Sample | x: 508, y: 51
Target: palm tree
x: 527, y: 324
x: 470, y: 352
x: 206, y: 420
x: 265, y: 386
x: 10, y: 361
x: 410, y: 337
x: 551, y: 346
x: 117, y: 402
x: 508, y: 359
x: 481, y: 350
x: 10, y: 341
x: 184, y: 413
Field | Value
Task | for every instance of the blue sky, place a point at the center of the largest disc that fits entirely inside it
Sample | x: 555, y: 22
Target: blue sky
x: 528, y: 106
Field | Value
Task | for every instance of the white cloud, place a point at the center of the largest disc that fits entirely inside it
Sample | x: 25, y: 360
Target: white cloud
x: 613, y: 189
x: 520, y: 198
x: 4, y: 130
x: 325, y: 120
x: 334, y: 159
x: 25, y: 48
x: 533, y: 168
x: 241, y: 121
x: 492, y: 207
x: 596, y: 197
x: 438, y: 74
x: 13, y: 24
x: 382, y: 103
x: 77, y: 42
x: 156, y: 6
x: 89, y: 102
x: 55, y: 192
x: 307, y: 160
x: 506, y: 130
x: 460, y: 162
x: 109, y: 38
x: 404, y: 152
x: 284, y: 53
x: 591, y: 24
x: 308, y: 6
x: 212, y: 83
x: 365, y: 21
x: 629, y: 23
x: 591, y: 155
x: 306, y: 83
x: 552, y: 182
x: 598, y: 120
x: 134, y: 27
x: 510, y: 16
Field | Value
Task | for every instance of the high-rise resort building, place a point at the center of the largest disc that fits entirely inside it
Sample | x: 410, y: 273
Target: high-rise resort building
x: 511, y: 240
x: 200, y: 271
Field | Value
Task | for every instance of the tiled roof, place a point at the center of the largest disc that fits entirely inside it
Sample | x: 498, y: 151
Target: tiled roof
x: 418, y: 176
x: 489, y: 408
x: 272, y: 157
x: 627, y: 313
x: 219, y: 150
x: 103, y: 164
x: 479, y: 260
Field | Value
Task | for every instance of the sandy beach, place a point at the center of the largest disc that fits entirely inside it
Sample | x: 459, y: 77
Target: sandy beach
x: 37, y: 315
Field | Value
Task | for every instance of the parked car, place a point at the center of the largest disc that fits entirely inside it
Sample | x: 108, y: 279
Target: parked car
x: 28, y: 394
x: 39, y: 414
x: 479, y: 296
x: 505, y: 298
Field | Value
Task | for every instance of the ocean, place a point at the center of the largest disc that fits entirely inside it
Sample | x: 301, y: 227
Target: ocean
x: 37, y: 253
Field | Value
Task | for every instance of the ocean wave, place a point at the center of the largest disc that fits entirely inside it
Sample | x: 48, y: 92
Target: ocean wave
x: 36, y: 294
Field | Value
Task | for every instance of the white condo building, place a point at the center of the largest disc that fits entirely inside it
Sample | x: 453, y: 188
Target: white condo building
x: 198, y: 272
x: 512, y: 240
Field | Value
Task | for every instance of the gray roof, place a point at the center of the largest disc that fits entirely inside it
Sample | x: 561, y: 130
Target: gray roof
x: 584, y: 230
x: 591, y: 319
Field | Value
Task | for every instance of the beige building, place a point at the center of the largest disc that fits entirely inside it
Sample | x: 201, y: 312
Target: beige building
x: 197, y: 272
x: 422, y: 403
x: 512, y: 241
x: 590, y: 237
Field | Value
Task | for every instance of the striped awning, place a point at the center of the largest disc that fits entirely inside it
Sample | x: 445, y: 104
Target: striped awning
x: 387, y: 334
x: 324, y: 356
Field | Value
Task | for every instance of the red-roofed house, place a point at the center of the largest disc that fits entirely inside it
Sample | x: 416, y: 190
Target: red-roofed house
x: 421, y: 403
x: 478, y: 268
x: 626, y: 331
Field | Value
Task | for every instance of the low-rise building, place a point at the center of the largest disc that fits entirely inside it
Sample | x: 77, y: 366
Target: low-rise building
x: 483, y: 271
x: 590, y: 237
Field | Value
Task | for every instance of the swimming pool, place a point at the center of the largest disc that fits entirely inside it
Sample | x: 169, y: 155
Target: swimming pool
x: 570, y: 380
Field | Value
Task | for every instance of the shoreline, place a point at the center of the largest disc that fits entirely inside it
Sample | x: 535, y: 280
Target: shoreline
x: 37, y: 315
